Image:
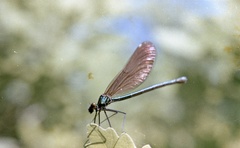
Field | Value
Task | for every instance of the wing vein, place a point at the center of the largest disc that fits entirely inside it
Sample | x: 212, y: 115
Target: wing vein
x: 135, y: 71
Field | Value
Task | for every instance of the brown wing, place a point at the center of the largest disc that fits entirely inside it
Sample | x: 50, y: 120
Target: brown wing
x: 136, y: 70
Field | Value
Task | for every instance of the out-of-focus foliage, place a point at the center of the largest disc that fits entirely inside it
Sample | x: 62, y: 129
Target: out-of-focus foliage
x: 57, y: 57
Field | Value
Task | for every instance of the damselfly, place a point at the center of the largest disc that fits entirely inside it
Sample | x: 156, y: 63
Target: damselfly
x: 133, y: 74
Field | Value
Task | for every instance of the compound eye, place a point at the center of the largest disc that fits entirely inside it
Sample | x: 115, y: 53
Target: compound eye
x: 92, y: 107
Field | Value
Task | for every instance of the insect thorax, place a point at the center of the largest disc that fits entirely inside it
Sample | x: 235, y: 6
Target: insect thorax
x: 103, y: 101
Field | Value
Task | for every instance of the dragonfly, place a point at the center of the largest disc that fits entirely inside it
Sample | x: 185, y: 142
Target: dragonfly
x: 130, y: 77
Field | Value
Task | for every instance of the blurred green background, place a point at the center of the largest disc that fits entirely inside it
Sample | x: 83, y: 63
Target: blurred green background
x: 57, y: 57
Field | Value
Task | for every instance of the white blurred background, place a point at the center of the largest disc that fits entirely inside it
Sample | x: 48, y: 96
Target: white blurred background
x: 57, y: 57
